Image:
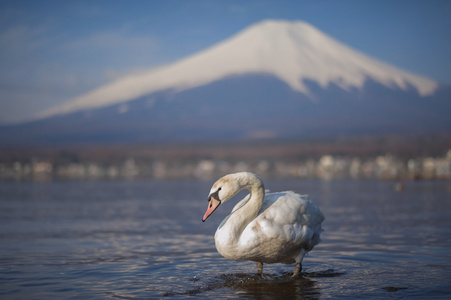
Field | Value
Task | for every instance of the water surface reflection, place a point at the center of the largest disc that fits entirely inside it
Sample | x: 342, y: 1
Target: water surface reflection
x: 146, y: 240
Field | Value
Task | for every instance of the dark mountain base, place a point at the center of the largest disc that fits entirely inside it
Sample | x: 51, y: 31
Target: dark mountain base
x: 245, y: 108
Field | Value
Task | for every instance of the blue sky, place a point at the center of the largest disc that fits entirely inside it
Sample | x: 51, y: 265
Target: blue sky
x: 53, y: 51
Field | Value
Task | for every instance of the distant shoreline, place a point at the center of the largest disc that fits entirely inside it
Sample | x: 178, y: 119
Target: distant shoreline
x: 389, y: 157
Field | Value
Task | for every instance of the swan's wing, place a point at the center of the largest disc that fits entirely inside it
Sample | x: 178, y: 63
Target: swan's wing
x: 288, y: 208
x: 288, y: 218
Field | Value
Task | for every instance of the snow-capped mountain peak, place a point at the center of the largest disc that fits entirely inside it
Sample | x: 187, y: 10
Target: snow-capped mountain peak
x: 291, y: 51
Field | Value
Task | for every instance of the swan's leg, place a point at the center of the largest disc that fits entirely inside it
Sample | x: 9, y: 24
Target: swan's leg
x: 298, y: 259
x: 297, y: 270
x: 259, y: 268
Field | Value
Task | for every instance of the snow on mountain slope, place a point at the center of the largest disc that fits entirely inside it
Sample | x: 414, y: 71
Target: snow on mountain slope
x: 291, y: 51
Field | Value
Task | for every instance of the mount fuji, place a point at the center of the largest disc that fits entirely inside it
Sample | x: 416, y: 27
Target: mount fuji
x: 275, y: 79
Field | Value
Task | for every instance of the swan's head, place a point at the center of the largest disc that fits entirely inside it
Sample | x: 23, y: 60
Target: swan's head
x: 227, y: 187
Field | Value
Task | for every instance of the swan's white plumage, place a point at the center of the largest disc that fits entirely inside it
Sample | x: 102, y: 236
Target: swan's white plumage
x: 276, y: 227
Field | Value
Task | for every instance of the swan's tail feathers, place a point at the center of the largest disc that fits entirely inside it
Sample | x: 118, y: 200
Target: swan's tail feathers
x: 316, y: 239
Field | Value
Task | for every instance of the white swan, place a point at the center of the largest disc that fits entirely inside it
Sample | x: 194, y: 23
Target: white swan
x: 272, y: 228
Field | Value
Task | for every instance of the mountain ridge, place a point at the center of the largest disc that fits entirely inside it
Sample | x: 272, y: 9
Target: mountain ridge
x: 291, y: 51
x: 250, y: 87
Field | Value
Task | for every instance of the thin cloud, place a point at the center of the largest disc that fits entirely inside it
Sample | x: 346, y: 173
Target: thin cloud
x: 57, y: 68
x: 111, y: 44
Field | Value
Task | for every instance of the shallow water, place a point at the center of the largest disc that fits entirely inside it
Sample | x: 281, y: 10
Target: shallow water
x: 95, y: 240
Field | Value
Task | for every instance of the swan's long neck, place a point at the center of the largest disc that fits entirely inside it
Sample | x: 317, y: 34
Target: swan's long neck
x: 241, y: 217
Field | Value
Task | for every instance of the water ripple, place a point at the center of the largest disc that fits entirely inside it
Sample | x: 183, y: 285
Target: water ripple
x: 145, y: 240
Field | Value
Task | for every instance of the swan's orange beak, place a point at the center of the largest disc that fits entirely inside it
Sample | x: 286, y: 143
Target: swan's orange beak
x: 212, y: 206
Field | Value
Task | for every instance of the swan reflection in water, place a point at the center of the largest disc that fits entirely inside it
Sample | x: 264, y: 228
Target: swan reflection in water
x: 259, y: 287
x: 283, y: 287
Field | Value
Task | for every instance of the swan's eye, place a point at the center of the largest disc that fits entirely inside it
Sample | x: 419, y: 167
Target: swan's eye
x: 215, y: 195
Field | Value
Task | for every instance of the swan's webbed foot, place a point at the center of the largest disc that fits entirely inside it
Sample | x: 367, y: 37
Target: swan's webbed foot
x: 297, y: 270
x: 259, y: 268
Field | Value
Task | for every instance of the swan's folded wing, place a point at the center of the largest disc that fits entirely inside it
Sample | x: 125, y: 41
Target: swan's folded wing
x: 289, y: 217
x: 284, y: 208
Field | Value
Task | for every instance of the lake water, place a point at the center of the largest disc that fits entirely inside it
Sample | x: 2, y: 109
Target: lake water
x: 128, y: 240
